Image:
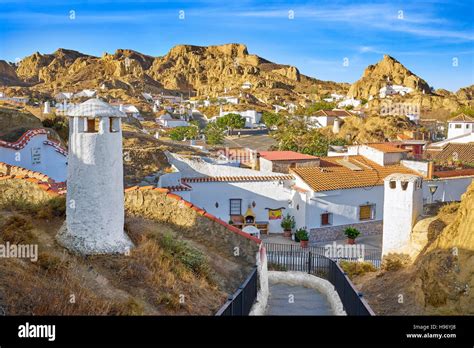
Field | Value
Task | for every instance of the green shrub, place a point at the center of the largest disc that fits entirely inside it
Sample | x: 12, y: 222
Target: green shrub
x: 302, y: 234
x: 352, y: 232
x: 288, y: 222
x: 192, y: 258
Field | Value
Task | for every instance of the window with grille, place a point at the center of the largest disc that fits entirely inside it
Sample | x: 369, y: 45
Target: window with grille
x: 235, y: 207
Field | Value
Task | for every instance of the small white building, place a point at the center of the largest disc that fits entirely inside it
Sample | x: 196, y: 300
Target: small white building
x: 348, y: 190
x: 231, y: 193
x: 95, y: 195
x: 394, y: 89
x: 349, y: 102
x: 131, y: 110
x: 34, y: 151
x: 460, y: 125
x: 326, y: 118
x: 63, y: 96
x: 86, y: 93
x: 230, y: 99
x: 246, y: 85
x: 167, y: 121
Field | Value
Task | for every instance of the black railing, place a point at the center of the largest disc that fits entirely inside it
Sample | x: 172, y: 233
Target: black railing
x: 370, y: 255
x: 243, y: 299
x: 292, y: 258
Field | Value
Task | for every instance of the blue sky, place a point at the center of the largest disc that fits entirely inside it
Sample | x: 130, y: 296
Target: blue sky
x: 425, y: 36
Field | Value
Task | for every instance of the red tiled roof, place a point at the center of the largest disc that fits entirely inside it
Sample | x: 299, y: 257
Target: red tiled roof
x: 387, y: 147
x: 453, y: 173
x: 285, y: 156
x: 334, y: 175
x: 237, y: 178
x: 27, y: 136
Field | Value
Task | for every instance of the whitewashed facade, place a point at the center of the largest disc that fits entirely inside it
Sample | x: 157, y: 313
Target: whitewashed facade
x: 34, y: 151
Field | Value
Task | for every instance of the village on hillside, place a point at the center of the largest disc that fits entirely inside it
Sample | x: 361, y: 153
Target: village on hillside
x: 202, y: 195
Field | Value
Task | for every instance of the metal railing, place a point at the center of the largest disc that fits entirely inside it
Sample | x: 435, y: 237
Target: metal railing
x: 243, y: 299
x: 311, y: 260
x: 370, y: 255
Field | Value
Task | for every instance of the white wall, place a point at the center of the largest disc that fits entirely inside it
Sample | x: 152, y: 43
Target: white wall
x: 52, y: 163
x: 465, y: 128
x: 344, y: 206
x: 449, y: 189
x: 375, y: 155
x: 265, y: 194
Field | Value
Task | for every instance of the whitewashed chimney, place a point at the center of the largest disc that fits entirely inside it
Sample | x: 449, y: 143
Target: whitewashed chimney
x: 95, y: 195
x: 403, y: 204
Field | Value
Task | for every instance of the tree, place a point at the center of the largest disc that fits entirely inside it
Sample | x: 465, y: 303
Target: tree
x: 295, y: 135
x: 321, y: 105
x: 214, y: 134
x: 231, y: 121
x: 184, y: 132
x: 271, y: 119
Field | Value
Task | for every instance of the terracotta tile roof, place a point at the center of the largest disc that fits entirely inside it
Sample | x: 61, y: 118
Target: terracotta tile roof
x: 387, y: 147
x: 27, y: 136
x: 333, y: 113
x: 333, y: 175
x: 285, y: 156
x: 462, y: 118
x: 182, y: 187
x: 454, y: 152
x: 454, y: 173
x: 237, y: 178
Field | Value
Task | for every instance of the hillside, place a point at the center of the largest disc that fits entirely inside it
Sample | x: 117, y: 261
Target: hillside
x: 186, y: 69
x: 182, y: 262
x: 388, y: 69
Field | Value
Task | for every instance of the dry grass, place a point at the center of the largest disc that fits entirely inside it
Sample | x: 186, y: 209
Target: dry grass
x: 17, y: 230
x: 357, y: 268
x: 394, y: 261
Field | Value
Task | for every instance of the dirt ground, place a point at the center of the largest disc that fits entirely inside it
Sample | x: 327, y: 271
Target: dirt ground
x: 164, y: 274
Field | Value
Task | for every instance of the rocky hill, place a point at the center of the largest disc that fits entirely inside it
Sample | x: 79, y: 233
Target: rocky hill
x: 196, y: 70
x: 388, y: 69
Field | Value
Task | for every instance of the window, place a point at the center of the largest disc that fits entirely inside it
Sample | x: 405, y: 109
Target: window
x: 114, y: 124
x: 326, y: 219
x: 367, y: 212
x: 393, y: 184
x: 235, y: 207
x: 458, y: 126
x: 91, y: 125
x: 467, y: 125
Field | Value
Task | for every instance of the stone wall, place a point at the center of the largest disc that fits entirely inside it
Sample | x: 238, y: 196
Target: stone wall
x: 30, y: 190
x: 337, y: 232
x: 160, y: 205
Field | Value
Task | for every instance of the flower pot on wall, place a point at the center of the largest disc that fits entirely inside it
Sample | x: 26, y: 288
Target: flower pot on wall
x: 303, y: 243
x: 287, y: 233
x: 351, y: 241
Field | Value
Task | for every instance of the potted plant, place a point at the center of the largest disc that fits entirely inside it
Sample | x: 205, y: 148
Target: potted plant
x: 351, y: 233
x: 288, y: 223
x: 303, y: 237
